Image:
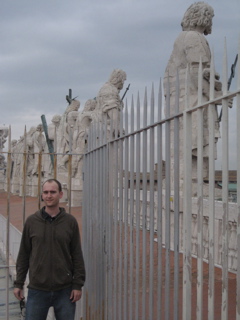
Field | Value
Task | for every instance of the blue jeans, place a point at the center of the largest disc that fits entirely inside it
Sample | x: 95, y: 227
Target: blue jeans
x: 39, y: 302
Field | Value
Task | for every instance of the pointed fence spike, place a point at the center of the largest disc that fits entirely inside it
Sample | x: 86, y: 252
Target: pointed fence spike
x: 138, y: 111
x: 160, y: 100
x: 132, y: 115
x: 126, y: 118
x: 145, y: 108
x: 152, y: 105
x: 9, y: 139
x: 225, y: 69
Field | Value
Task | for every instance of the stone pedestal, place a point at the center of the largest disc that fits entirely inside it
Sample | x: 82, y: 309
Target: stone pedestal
x: 76, y: 195
x: 2, y: 178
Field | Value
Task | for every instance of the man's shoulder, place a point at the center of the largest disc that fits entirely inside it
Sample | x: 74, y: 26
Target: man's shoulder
x: 34, y: 216
x: 67, y: 216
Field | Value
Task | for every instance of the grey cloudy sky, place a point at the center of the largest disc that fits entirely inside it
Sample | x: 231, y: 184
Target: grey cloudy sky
x: 50, y: 46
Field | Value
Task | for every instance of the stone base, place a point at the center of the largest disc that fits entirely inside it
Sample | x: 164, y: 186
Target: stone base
x: 2, y: 179
x: 76, y: 198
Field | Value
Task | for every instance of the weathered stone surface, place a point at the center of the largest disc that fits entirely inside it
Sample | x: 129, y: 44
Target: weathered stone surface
x: 68, y: 134
x: 189, y: 47
x: 109, y: 103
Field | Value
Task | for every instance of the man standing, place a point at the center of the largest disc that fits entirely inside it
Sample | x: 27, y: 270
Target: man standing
x: 51, y: 250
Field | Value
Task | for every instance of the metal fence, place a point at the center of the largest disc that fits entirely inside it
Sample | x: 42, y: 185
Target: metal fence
x: 152, y: 246
x: 157, y: 245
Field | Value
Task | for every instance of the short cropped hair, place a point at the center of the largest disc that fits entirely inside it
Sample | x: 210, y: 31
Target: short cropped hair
x: 57, y: 182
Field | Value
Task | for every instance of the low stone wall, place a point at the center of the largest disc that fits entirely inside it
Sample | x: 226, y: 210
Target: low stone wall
x: 232, y: 223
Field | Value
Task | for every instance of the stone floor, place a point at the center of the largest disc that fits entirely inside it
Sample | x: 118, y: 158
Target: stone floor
x: 14, y: 307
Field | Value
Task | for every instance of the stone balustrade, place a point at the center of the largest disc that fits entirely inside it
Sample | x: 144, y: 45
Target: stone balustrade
x: 232, y: 223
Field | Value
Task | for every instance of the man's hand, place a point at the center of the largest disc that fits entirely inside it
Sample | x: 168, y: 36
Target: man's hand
x: 18, y: 293
x: 76, y: 295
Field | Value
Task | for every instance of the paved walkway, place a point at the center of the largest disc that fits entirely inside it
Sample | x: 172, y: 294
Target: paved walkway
x: 14, y: 307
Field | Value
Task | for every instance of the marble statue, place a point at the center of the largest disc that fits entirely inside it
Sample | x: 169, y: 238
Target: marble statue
x: 56, y: 120
x: 65, y: 146
x: 38, y: 145
x: 80, y: 140
x: 73, y: 106
x: 2, y: 162
x: 18, y: 157
x: 109, y: 102
x: 3, y: 137
x: 80, y: 135
x: 189, y: 47
x: 69, y: 135
x: 65, y: 131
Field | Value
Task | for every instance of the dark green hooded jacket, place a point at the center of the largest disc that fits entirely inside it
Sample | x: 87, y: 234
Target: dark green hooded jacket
x: 51, y: 251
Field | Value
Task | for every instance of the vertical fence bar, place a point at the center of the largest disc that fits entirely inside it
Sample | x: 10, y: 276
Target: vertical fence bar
x: 105, y: 225
x: 126, y: 177
x: 151, y: 209
x: 70, y: 136
x: 211, y: 126
x: 8, y: 222
x: 238, y: 187
x: 100, y: 213
x: 199, y: 310
x: 40, y: 169
x: 55, y: 154
x: 90, y: 231
x: 225, y: 165
x: 24, y: 177
x: 120, y: 263
x: 187, y: 207
x: 144, y: 208
x: 168, y: 175
x: 159, y: 204
x: 116, y: 228
x: 138, y: 166
x: 132, y: 149
x: 85, y: 224
x: 93, y: 225
x: 176, y: 204
x: 112, y: 168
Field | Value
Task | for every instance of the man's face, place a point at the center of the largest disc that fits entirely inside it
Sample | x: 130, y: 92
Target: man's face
x: 50, y: 194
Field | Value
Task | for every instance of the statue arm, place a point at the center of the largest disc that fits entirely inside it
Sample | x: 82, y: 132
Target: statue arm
x: 196, y: 46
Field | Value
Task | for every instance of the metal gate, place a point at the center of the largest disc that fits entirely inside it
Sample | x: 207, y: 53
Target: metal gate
x: 153, y: 249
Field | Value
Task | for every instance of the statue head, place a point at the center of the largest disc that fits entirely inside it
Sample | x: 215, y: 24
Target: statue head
x: 56, y: 119
x: 40, y: 127
x: 90, y: 105
x: 117, y: 78
x: 75, y: 104
x: 198, y: 15
x: 3, y: 132
x: 13, y: 142
x: 72, y: 117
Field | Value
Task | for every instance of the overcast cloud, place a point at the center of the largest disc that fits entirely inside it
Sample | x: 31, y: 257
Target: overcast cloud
x: 50, y: 46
